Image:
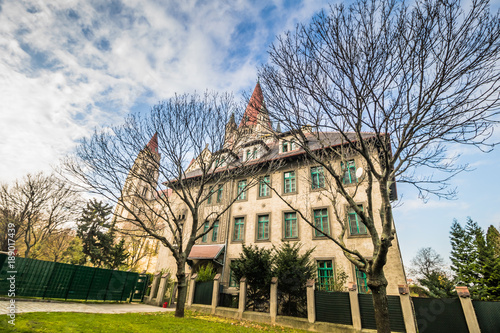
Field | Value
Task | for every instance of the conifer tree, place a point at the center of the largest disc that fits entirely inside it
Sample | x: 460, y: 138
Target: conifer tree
x: 293, y: 270
x: 464, y: 253
x: 96, y: 233
x: 254, y: 264
x: 490, y: 269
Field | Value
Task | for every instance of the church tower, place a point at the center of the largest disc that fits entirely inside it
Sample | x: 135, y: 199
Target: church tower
x: 143, y: 176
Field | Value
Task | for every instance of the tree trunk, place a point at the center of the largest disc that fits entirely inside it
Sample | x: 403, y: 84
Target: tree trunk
x: 181, y: 293
x: 378, y: 286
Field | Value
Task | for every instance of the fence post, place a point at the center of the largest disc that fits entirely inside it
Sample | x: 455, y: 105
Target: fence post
x: 192, y: 286
x: 154, y: 288
x: 355, y: 312
x: 161, y: 290
x: 273, y: 301
x: 311, y: 302
x: 243, y: 297
x: 407, y: 309
x: 468, y: 309
x: 215, y: 292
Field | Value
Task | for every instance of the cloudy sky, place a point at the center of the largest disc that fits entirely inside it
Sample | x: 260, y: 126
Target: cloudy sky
x: 69, y: 66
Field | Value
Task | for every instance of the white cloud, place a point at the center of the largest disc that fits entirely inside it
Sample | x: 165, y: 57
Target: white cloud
x: 69, y: 66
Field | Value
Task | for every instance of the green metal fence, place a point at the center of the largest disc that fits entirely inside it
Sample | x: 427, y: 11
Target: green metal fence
x: 203, y: 292
x: 37, y: 278
x: 439, y: 315
x: 488, y: 316
x: 333, y: 307
x: 368, y: 313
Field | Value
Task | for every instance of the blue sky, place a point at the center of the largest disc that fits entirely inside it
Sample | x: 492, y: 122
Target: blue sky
x: 67, y: 67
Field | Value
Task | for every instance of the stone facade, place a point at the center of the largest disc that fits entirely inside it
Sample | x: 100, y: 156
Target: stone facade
x: 294, y: 180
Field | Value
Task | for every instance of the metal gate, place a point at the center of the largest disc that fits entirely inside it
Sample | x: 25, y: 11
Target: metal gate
x: 140, y: 288
x: 203, y: 292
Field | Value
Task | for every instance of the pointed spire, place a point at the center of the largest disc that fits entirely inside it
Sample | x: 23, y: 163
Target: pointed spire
x: 278, y: 128
x: 253, y: 108
x: 153, y: 143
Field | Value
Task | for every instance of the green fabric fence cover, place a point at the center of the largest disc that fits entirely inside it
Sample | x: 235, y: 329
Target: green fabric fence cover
x: 38, y: 278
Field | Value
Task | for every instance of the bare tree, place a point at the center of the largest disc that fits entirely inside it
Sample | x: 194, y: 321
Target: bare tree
x: 38, y: 206
x: 415, y: 78
x: 164, y: 191
x: 54, y: 246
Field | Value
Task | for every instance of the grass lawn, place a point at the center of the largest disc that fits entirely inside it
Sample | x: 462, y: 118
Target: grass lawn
x: 131, y: 322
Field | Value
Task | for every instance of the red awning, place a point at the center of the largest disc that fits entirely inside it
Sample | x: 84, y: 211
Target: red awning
x: 206, y: 251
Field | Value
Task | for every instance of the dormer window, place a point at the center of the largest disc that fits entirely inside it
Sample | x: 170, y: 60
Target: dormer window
x: 251, y: 154
x: 287, y: 146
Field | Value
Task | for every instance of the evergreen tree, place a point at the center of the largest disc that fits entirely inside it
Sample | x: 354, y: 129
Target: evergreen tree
x: 118, y: 255
x: 96, y: 233
x: 254, y: 264
x: 464, y: 254
x: 293, y: 270
x: 490, y: 269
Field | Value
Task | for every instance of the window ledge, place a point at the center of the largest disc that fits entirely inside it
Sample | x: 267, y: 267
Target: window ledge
x: 359, y: 236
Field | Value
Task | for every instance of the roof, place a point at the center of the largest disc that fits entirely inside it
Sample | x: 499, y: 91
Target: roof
x: 253, y: 108
x: 325, y: 140
x: 206, y: 251
x: 153, y: 144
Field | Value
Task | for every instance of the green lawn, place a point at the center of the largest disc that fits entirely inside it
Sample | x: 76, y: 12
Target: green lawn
x: 131, y: 322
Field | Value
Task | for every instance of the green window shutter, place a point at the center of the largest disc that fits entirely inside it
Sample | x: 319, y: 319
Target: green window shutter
x: 219, y: 194
x: 242, y: 194
x: 289, y: 181
x: 264, y: 189
x: 285, y: 147
x: 239, y: 225
x: 325, y: 275
x: 291, y: 225
x: 206, y: 225
x: 215, y: 231
x: 263, y: 227
x: 321, y: 222
x: 361, y: 281
x: 209, y: 200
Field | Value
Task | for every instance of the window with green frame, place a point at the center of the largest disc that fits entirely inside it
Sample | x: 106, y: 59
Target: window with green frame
x: 249, y: 155
x: 317, y: 177
x: 289, y: 181
x: 349, y: 170
x: 291, y: 230
x: 361, y: 281
x: 284, y: 146
x: 242, y: 194
x: 219, y: 193
x: 356, y: 226
x: 325, y: 275
x: 215, y: 231
x: 321, y: 222
x: 239, y: 228
x: 264, y: 190
x: 206, y: 225
x: 263, y: 227
x: 209, y: 200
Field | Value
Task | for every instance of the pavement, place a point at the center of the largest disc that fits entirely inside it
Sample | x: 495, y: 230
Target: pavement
x: 24, y: 306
